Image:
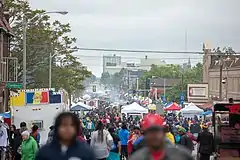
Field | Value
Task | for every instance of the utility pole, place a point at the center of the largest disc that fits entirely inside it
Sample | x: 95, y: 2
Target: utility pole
x: 182, y: 83
x: 164, y: 86
x: 137, y: 83
x: 128, y: 79
x: 50, y: 70
x: 145, y: 87
x: 227, y: 84
x: 24, y: 52
x: 220, y: 79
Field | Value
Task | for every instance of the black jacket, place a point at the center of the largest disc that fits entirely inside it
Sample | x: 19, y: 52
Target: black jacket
x: 186, y: 142
x: 78, y: 150
x: 53, y: 150
x: 206, y: 142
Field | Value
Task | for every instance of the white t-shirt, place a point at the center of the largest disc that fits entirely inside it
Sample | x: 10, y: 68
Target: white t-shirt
x: 101, y: 149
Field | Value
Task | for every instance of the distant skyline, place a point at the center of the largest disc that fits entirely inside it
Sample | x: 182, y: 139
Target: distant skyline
x: 141, y: 25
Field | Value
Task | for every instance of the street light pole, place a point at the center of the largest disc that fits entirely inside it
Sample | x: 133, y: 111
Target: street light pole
x: 220, y: 80
x: 164, y: 85
x: 24, y: 52
x: 50, y: 70
x: 25, y: 24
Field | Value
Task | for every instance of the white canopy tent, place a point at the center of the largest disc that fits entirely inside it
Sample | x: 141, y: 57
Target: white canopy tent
x: 84, y: 105
x: 191, y: 110
x: 134, y: 108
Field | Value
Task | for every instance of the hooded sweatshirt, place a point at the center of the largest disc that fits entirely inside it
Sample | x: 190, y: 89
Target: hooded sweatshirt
x: 55, y: 151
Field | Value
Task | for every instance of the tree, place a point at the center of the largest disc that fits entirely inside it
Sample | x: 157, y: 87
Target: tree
x: 193, y: 75
x: 105, y: 78
x: 45, y: 37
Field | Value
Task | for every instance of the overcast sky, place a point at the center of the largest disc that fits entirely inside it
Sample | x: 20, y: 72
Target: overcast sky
x: 148, y: 25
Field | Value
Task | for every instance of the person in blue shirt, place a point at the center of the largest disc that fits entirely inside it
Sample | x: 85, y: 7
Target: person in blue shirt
x: 65, y: 144
x: 124, y: 135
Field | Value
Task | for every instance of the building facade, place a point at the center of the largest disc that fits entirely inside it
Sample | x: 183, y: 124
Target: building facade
x: 8, y: 65
x: 229, y: 81
x: 111, y: 61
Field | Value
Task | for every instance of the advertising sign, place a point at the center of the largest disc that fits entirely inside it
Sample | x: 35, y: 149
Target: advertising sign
x: 37, y: 97
x: 197, y: 92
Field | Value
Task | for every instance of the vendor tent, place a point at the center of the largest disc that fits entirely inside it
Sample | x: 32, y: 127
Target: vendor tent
x: 80, y: 107
x: 84, y: 105
x: 209, y: 112
x: 173, y: 107
x: 191, y: 109
x: 134, y: 108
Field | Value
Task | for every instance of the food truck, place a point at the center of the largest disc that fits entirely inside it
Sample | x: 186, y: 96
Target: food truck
x: 227, y: 134
x: 38, y: 107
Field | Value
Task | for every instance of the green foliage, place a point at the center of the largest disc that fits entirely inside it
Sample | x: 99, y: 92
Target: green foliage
x: 114, y: 80
x: 193, y: 75
x: 45, y: 37
x: 105, y: 78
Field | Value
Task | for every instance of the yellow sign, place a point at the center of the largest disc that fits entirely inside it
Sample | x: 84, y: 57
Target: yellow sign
x: 18, y: 101
x: 37, y: 97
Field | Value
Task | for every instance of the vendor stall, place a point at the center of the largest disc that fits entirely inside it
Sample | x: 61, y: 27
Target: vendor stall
x: 227, y: 135
x: 191, y: 110
x: 134, y: 109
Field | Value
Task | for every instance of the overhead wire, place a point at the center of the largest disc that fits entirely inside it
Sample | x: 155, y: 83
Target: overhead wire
x: 131, y: 57
x: 75, y: 49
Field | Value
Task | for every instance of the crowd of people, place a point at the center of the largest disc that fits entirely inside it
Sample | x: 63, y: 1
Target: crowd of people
x: 103, y: 134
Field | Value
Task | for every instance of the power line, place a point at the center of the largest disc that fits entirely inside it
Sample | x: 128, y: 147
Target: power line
x: 129, y: 57
x: 101, y: 65
x: 129, y: 50
x: 135, y: 51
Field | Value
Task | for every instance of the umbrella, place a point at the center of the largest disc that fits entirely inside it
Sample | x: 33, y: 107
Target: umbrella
x: 173, y: 107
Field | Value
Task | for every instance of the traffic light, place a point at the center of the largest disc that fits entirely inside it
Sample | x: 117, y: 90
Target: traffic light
x: 94, y: 88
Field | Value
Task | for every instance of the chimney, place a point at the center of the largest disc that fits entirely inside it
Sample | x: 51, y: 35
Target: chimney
x: 6, y: 15
x: 146, y: 57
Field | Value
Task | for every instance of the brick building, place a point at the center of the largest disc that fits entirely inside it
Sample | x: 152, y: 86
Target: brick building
x: 230, y: 82
x: 7, y: 64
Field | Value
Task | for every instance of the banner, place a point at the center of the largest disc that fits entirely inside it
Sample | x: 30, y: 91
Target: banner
x: 37, y: 97
x: 18, y: 101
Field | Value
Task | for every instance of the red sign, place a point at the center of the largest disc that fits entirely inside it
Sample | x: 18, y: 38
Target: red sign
x: 234, y: 109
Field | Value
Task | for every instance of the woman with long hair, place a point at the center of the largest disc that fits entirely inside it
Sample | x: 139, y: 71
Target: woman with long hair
x: 101, y: 142
x: 65, y: 144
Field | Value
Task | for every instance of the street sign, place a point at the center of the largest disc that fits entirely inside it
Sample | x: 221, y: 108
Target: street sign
x: 14, y: 85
